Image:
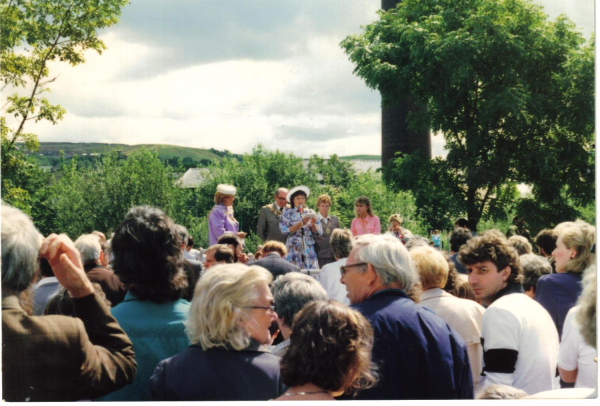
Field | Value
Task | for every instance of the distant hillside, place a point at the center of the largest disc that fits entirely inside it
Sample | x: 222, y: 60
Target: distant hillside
x: 362, y: 157
x: 165, y: 152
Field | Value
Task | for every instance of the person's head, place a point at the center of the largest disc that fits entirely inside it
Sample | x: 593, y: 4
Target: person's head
x: 258, y: 255
x: 147, y: 255
x: 463, y: 290
x: 462, y: 223
x: 330, y: 347
x: 546, y: 242
x: 395, y: 222
x: 190, y: 243
x: 586, y: 315
x: 414, y: 241
x: 500, y: 392
x: 231, y: 305
x: 323, y: 204
x: 341, y: 242
x: 492, y: 264
x: 377, y: 262
x: 21, y: 244
x: 218, y: 254
x: 573, y: 247
x: 297, y: 196
x: 99, y: 234
x: 458, y: 238
x: 291, y: 292
x: 533, y: 267
x: 281, y: 196
x: 431, y: 266
x: 105, y: 257
x: 234, y: 242
x: 520, y: 244
x: 89, y: 248
x: 274, y: 246
x: 225, y: 195
x: 436, y: 232
x: 183, y: 235
x: 362, y: 206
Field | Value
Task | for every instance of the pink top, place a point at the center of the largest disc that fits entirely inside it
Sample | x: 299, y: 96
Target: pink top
x: 370, y: 225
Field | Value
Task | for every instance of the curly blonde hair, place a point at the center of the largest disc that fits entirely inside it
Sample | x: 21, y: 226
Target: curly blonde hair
x: 580, y: 236
x: 218, y: 305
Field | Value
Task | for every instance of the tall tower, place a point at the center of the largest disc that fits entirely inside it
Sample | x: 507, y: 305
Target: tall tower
x: 395, y: 134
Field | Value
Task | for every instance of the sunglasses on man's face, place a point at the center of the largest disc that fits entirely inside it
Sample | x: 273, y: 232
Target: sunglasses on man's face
x: 344, y: 269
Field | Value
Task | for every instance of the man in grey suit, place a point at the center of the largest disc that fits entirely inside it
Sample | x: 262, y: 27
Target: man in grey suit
x: 268, y: 218
x: 329, y: 223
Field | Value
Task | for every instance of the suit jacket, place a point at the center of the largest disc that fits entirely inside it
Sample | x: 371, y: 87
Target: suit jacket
x: 217, y: 374
x: 111, y: 284
x: 275, y: 264
x: 60, y: 358
x: 322, y: 240
x: 268, y: 224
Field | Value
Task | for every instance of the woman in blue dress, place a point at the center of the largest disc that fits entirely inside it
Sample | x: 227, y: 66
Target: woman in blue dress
x: 300, y: 224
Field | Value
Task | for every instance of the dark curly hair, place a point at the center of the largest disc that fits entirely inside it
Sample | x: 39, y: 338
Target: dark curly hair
x: 458, y: 238
x: 330, y: 346
x: 491, y: 245
x: 147, y: 255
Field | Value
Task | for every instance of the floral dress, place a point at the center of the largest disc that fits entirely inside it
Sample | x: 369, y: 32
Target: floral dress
x: 301, y: 244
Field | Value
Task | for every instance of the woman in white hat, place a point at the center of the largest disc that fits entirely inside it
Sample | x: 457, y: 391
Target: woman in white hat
x: 300, y: 224
x: 220, y: 218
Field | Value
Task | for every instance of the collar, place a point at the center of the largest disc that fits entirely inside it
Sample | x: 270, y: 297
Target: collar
x: 46, y: 281
x: 320, y: 216
x: 277, y: 207
x: 272, y: 254
x: 280, y: 346
x: 10, y: 301
x: 509, y: 289
x: 388, y: 292
x: 91, y: 265
x: 431, y: 293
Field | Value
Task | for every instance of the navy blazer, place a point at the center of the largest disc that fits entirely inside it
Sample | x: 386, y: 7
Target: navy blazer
x: 217, y: 374
x: 418, y: 355
x: 273, y: 263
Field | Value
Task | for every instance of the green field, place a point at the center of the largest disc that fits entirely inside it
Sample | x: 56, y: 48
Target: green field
x: 362, y: 157
x: 164, y: 151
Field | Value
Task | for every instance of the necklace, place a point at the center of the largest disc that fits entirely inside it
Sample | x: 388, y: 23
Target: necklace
x: 305, y: 393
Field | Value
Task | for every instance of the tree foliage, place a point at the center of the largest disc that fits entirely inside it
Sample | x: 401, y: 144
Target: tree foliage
x: 511, y: 92
x: 32, y: 34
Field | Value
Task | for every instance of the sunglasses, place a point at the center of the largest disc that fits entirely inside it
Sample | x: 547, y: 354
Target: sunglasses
x: 344, y: 269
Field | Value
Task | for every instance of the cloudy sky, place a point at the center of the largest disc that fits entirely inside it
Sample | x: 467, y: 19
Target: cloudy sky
x: 232, y: 74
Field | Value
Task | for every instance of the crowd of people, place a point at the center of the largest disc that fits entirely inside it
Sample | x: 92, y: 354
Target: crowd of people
x: 320, y: 312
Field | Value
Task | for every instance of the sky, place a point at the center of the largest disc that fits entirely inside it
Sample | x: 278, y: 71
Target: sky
x: 232, y: 74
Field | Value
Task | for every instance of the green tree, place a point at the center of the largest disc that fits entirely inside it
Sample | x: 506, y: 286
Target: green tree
x: 511, y: 92
x: 32, y: 34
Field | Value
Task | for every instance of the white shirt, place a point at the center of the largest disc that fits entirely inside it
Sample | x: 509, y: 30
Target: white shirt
x: 517, y: 322
x: 574, y: 353
x: 330, y: 280
x: 463, y: 316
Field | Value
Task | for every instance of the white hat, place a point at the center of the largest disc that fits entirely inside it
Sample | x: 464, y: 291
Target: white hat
x: 226, y: 189
x: 293, y: 190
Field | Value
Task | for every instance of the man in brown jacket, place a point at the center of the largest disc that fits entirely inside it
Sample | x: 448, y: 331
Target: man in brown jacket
x: 56, y: 358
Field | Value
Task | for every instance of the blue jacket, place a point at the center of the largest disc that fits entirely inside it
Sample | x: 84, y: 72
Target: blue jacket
x: 418, y: 355
x: 157, y: 332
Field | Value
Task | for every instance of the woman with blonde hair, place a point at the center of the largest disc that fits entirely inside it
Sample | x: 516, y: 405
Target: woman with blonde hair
x: 365, y: 221
x: 228, y: 328
x: 339, y: 363
x: 559, y: 291
x: 220, y: 218
x: 396, y: 228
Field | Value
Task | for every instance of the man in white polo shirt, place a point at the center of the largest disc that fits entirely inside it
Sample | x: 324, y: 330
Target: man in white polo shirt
x: 519, y: 338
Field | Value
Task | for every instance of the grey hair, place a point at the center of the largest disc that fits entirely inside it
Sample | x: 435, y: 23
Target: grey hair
x: 389, y: 258
x: 89, y: 247
x: 183, y: 233
x: 415, y: 241
x: 533, y: 267
x: 292, y: 291
x: 341, y: 242
x: 21, y: 244
x: 501, y: 392
x: 281, y: 189
x: 521, y: 244
x: 586, y: 315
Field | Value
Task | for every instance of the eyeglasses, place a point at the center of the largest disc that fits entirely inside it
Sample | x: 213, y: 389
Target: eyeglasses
x: 344, y: 269
x: 271, y: 308
x: 281, y: 198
